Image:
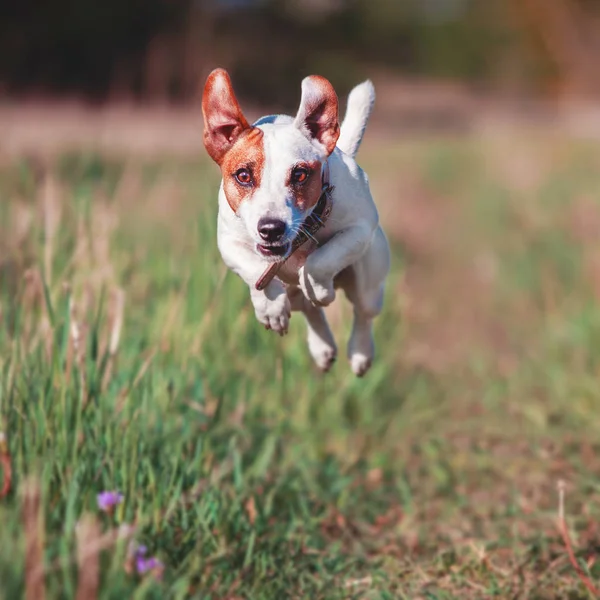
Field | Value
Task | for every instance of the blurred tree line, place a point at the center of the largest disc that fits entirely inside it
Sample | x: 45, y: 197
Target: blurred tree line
x: 161, y: 49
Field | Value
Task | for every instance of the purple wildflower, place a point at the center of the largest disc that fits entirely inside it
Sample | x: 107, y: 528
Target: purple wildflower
x: 146, y: 565
x: 108, y: 500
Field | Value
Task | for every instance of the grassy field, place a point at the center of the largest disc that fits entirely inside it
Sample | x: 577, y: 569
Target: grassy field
x: 131, y: 361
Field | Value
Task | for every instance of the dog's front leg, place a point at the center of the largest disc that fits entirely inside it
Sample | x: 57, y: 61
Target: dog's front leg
x: 271, y: 305
x: 341, y: 251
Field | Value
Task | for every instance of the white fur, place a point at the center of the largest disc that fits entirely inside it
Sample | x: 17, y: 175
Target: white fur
x: 352, y: 254
x: 360, y: 105
x: 284, y: 145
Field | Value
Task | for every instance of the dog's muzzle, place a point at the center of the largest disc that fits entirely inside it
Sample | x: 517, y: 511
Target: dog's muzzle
x: 279, y: 251
x: 314, y: 222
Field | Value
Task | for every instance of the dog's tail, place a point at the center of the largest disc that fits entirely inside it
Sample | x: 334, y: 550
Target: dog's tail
x: 360, y: 105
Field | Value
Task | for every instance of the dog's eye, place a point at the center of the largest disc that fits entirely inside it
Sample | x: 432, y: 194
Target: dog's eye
x: 243, y: 177
x: 299, y: 175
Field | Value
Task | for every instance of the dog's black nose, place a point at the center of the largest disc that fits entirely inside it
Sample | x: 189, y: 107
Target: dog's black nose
x: 271, y: 230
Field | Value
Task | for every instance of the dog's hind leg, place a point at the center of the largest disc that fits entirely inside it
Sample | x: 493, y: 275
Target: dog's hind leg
x: 363, y: 284
x: 320, y: 339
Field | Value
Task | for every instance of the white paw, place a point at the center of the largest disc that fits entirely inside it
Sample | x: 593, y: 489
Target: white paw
x: 360, y: 364
x: 275, y: 314
x: 323, y: 353
x: 361, y: 348
x: 319, y: 293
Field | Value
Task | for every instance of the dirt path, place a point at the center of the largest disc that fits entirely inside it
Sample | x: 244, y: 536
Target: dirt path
x: 403, y: 109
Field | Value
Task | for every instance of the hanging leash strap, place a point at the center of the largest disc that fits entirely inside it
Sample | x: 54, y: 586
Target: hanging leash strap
x: 315, y: 221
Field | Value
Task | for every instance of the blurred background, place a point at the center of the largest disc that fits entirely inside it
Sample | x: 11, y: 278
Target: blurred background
x: 438, y: 64
x: 131, y: 359
x: 158, y: 50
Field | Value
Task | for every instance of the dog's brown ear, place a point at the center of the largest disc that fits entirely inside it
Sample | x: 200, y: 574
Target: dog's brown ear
x: 318, y: 113
x: 224, y: 121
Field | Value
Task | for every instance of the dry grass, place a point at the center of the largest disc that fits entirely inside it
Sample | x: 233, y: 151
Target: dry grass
x: 33, y: 531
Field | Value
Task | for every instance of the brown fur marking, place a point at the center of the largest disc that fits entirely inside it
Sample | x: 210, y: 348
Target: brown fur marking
x: 307, y: 194
x: 247, y: 153
x: 224, y: 121
x: 321, y: 112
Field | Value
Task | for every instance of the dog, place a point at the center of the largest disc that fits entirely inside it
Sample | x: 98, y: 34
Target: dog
x: 289, y: 179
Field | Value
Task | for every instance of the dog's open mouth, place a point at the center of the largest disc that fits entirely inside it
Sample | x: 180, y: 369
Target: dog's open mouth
x: 278, y: 252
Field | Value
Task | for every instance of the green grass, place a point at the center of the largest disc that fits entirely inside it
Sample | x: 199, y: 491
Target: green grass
x: 249, y: 474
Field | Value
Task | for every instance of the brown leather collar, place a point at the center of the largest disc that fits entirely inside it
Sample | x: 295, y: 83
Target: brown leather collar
x: 311, y: 225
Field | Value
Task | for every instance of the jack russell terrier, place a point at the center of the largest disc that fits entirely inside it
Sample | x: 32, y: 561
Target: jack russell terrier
x: 296, y: 217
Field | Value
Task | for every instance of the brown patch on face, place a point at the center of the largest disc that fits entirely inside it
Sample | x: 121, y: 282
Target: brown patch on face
x: 307, y: 194
x: 247, y: 153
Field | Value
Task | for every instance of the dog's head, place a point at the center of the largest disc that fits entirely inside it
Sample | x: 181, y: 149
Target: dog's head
x: 271, y: 170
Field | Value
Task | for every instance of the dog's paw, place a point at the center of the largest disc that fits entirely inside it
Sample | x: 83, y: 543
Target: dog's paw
x: 319, y: 293
x: 361, y: 348
x: 275, y: 314
x: 323, y: 353
x: 360, y: 364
